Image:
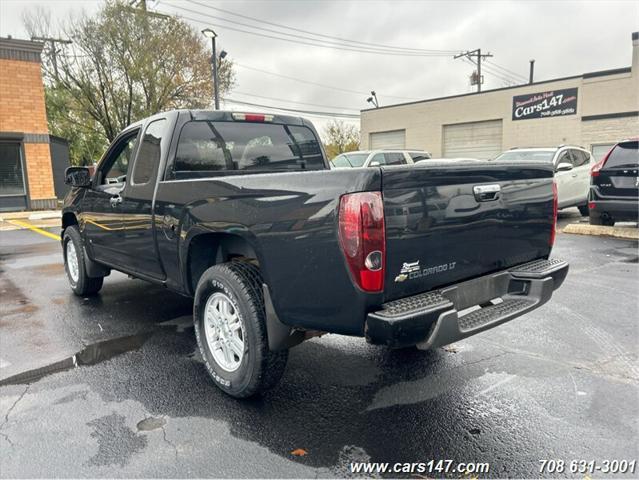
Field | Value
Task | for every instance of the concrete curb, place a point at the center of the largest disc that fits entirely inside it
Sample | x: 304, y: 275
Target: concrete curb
x: 41, y: 215
x: 628, y: 233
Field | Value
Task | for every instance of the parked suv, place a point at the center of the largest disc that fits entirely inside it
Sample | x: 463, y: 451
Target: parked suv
x: 614, y: 188
x: 378, y: 158
x: 572, y: 167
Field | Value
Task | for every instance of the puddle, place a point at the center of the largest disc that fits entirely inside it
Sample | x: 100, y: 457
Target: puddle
x: 90, y: 355
x: 151, y: 423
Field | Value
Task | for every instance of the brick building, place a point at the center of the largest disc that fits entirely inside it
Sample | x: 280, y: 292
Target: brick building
x: 26, y: 174
x: 595, y: 110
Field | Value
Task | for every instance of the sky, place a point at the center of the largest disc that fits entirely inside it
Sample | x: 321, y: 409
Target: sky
x: 564, y: 37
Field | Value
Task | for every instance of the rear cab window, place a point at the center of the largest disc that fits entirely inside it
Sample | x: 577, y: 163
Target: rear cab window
x: 625, y: 154
x: 212, y: 148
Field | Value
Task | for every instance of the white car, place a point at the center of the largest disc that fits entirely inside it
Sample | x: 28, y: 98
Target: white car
x: 572, y: 171
x: 376, y: 158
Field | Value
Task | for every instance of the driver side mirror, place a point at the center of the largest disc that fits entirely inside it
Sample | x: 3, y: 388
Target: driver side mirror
x: 375, y: 163
x: 77, y: 177
x: 564, y: 167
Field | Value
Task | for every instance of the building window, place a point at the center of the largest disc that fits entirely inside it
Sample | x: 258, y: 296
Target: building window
x: 599, y: 151
x: 11, y: 174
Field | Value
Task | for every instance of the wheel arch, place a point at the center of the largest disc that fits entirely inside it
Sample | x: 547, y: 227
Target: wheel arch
x: 212, y: 248
x: 68, y: 219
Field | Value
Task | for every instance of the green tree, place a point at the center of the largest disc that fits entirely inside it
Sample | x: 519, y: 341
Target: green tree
x: 123, y: 64
x: 340, y: 137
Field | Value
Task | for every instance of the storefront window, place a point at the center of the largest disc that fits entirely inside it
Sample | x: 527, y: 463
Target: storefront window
x: 11, y: 175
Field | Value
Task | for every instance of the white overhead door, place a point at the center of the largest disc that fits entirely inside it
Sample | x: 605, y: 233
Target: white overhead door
x: 474, y: 140
x: 395, y: 139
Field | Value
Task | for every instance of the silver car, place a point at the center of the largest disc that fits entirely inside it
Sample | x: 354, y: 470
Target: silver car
x: 376, y: 158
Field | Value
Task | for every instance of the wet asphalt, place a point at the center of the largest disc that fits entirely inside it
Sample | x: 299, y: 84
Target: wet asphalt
x: 559, y: 383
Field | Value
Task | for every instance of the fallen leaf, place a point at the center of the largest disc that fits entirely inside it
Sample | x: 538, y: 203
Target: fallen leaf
x: 299, y: 452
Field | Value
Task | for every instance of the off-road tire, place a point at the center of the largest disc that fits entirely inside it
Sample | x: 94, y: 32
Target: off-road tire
x: 84, y: 285
x: 583, y: 209
x: 260, y: 368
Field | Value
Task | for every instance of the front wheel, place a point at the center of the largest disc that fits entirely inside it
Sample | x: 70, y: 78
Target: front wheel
x: 74, y: 265
x: 230, y: 327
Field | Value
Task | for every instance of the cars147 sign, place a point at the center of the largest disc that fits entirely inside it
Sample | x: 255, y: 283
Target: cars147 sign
x: 554, y: 103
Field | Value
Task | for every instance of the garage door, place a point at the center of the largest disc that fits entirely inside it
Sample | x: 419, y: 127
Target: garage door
x: 395, y: 139
x: 474, y: 140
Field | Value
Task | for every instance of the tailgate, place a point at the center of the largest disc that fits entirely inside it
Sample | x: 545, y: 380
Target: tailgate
x: 447, y: 222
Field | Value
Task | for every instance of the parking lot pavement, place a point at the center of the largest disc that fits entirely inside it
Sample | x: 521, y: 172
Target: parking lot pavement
x: 559, y: 383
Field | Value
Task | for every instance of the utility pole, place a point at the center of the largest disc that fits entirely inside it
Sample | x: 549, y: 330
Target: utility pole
x: 475, y: 53
x: 54, y: 50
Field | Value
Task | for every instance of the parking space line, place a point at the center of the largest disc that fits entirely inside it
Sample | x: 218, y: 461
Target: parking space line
x: 22, y: 224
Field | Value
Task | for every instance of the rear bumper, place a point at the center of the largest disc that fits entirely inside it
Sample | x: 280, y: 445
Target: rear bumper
x: 437, y: 318
x: 621, y: 208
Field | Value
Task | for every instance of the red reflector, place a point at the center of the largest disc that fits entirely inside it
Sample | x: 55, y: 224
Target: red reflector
x: 362, y: 238
x: 555, y: 208
x: 591, y: 205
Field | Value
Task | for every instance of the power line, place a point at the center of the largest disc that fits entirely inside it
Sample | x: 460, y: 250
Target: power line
x: 368, y: 44
x: 330, y: 87
x: 495, y: 74
x: 512, y: 74
x: 293, y: 101
x: 307, y: 112
x: 506, y: 71
x: 309, y: 41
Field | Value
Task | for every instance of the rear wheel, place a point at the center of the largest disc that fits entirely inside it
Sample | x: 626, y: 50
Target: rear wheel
x: 583, y: 209
x: 74, y: 265
x: 596, y: 219
x: 230, y: 327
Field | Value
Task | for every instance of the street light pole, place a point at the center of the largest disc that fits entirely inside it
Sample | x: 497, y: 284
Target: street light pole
x: 207, y: 32
x: 216, y: 91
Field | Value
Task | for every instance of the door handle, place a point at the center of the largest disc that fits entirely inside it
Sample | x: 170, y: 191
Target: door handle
x: 115, y: 201
x: 574, y: 175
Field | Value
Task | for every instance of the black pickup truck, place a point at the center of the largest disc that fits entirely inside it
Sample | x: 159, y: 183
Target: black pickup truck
x: 241, y: 212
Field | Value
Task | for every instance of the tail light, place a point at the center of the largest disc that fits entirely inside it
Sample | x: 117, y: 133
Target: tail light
x: 362, y: 238
x: 594, y: 171
x: 555, y: 205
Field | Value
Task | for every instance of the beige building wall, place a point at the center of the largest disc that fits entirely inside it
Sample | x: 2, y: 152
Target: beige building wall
x: 613, y: 93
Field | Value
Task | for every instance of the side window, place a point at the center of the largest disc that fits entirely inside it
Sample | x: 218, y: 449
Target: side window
x: 378, y: 159
x: 417, y: 156
x: 564, y: 157
x: 580, y: 158
x: 150, y: 152
x: 116, y: 164
x: 395, y: 158
x: 340, y: 161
